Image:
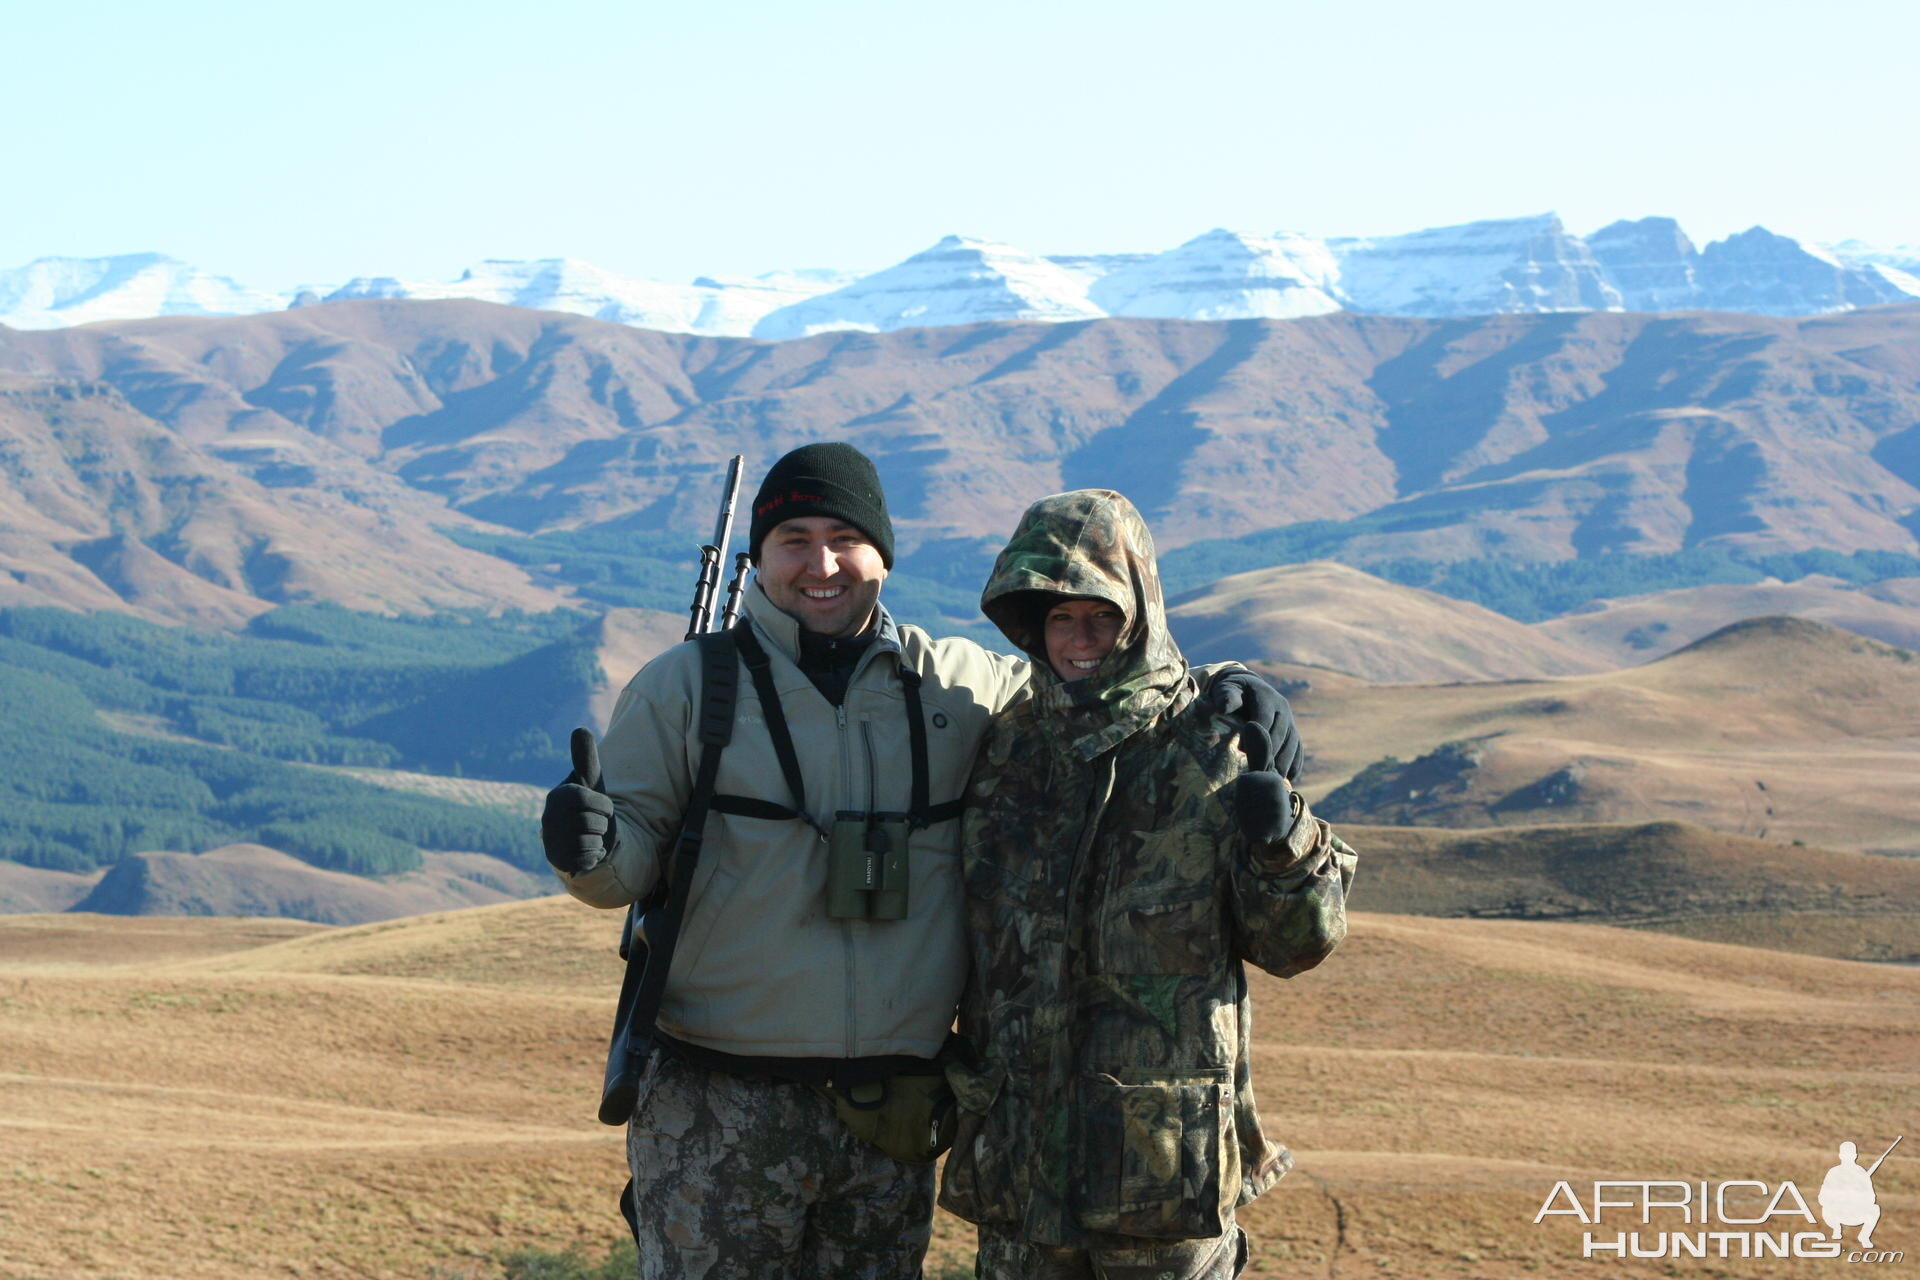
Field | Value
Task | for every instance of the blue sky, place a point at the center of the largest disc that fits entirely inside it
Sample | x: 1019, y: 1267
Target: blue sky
x: 296, y: 142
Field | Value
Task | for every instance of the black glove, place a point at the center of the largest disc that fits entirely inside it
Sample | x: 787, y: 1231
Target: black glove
x: 1262, y: 800
x: 1251, y: 700
x: 577, y: 826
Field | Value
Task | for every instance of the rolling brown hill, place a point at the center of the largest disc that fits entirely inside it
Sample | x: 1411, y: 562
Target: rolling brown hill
x: 232, y: 1100
x: 1665, y: 876
x: 24, y: 889
x: 1639, y: 628
x: 258, y: 882
x: 253, y: 880
x: 1330, y: 615
x: 311, y: 454
x: 1776, y: 727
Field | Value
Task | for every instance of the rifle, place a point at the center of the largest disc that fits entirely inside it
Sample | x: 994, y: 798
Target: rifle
x: 1883, y: 1155
x: 713, y: 554
x: 663, y: 907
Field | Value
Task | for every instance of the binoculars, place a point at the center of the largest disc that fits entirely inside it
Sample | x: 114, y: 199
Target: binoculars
x: 867, y: 866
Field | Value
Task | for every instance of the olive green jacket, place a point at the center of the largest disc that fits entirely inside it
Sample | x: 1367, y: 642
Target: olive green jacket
x: 1111, y: 901
x: 760, y: 969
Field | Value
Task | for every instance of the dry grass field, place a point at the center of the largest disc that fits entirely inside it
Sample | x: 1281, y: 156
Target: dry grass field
x: 226, y: 1099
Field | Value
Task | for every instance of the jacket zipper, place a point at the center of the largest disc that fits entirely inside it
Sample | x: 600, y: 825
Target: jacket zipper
x: 846, y: 926
x: 873, y: 772
x: 1096, y: 937
x: 846, y: 772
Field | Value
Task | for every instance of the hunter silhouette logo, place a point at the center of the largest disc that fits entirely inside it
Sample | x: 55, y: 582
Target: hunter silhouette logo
x: 1739, y: 1218
x: 1846, y: 1195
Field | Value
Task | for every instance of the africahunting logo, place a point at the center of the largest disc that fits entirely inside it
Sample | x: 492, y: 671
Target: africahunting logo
x: 1742, y: 1218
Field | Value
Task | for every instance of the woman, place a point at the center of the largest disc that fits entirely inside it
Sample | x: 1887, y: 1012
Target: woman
x: 1123, y: 853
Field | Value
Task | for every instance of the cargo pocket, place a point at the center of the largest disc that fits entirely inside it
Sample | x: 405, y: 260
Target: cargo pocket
x: 981, y: 1160
x: 1155, y: 1154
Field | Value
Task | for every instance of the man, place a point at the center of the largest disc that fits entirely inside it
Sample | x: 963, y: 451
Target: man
x: 790, y: 994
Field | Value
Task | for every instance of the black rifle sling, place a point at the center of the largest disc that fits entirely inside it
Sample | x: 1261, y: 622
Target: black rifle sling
x: 916, y: 744
x: 719, y: 691
x: 923, y: 814
x: 760, y: 669
x: 633, y: 1023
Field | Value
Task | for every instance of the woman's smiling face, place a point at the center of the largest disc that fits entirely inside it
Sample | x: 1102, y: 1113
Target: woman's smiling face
x: 1079, y: 634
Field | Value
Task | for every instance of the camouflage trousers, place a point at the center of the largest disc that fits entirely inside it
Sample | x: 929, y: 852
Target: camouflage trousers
x: 739, y: 1179
x: 1005, y: 1256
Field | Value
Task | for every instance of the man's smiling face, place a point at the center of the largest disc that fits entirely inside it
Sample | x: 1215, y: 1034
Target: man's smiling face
x: 823, y: 571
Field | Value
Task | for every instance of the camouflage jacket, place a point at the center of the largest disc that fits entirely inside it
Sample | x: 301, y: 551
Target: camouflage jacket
x: 1111, y: 901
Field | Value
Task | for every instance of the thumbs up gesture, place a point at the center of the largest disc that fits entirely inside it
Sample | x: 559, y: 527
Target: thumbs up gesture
x: 577, y: 826
x: 1262, y: 799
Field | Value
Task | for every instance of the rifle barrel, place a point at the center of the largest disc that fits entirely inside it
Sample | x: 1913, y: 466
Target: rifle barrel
x: 723, y: 528
x: 1884, y: 1155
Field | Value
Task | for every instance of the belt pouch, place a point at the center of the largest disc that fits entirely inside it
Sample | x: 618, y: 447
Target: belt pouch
x: 910, y: 1116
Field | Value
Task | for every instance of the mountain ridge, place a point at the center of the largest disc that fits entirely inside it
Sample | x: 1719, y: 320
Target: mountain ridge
x: 1493, y: 266
x: 198, y: 468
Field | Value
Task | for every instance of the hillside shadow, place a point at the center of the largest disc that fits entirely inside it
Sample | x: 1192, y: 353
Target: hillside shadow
x: 1666, y: 366
x: 301, y: 387
x: 1054, y: 336
x: 1900, y: 454
x: 1144, y: 456
x: 519, y: 386
x: 909, y: 471
x: 1723, y: 470
x: 1434, y: 417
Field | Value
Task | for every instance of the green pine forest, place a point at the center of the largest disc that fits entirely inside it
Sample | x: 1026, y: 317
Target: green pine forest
x: 118, y: 736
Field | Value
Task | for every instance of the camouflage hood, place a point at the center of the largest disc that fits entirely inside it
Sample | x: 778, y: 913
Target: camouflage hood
x: 1090, y: 543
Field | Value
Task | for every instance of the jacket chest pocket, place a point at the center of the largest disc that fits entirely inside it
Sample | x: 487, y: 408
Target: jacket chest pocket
x: 1155, y: 1154
x: 1159, y: 913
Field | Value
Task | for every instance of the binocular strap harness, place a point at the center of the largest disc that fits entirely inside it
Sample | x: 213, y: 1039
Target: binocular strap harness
x: 760, y: 670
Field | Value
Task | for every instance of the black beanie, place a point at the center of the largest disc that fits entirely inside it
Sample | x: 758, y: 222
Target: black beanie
x: 832, y: 479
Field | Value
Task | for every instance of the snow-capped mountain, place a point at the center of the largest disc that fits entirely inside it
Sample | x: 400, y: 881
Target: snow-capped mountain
x: 707, y: 306
x: 1651, y: 262
x: 1224, y: 275
x: 1478, y: 268
x: 958, y: 281
x: 1773, y: 275
x: 1499, y: 266
x: 48, y: 293
x: 1657, y: 268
